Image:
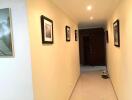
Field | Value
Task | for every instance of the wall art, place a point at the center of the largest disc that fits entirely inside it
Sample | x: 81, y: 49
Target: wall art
x: 76, y: 35
x: 47, y: 30
x: 67, y: 29
x: 107, y: 36
x: 116, y: 33
x: 6, y: 41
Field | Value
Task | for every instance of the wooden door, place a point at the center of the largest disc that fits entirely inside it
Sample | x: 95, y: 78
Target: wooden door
x: 97, y: 48
x: 92, y: 47
x: 87, y: 51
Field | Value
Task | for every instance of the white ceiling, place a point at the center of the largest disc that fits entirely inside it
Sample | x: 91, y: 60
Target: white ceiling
x: 76, y: 9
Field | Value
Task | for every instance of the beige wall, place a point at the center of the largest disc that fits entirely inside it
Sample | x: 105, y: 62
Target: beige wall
x: 55, y: 67
x: 120, y: 59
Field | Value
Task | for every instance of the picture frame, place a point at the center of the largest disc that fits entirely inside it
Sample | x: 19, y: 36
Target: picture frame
x: 6, y: 33
x: 107, y: 36
x: 76, y: 35
x: 116, y: 30
x: 68, y: 33
x: 47, y: 30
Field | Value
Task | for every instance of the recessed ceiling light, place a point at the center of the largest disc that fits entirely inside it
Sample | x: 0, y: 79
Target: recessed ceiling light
x: 89, y: 7
x: 91, y: 18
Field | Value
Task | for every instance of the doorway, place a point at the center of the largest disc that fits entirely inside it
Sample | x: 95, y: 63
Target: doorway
x: 92, y: 47
x: 87, y: 50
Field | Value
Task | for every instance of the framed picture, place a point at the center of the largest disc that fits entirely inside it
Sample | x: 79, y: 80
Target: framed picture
x: 6, y: 41
x: 67, y: 28
x: 116, y: 33
x: 47, y: 30
x: 107, y: 36
x: 76, y: 35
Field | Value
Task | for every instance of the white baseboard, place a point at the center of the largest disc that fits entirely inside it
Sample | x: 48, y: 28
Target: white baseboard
x: 74, y: 87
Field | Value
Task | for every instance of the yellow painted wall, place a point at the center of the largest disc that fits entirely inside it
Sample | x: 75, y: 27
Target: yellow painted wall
x: 56, y: 66
x: 120, y: 59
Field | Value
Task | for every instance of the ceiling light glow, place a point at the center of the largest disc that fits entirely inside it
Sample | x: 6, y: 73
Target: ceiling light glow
x: 89, y: 7
x: 91, y: 18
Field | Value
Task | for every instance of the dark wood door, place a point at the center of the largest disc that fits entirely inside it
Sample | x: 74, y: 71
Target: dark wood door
x: 87, y: 51
x: 97, y: 48
x: 92, y: 45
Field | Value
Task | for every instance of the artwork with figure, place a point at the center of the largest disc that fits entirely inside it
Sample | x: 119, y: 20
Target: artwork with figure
x: 68, y: 33
x: 76, y: 35
x: 116, y: 33
x: 67, y: 29
x: 5, y: 33
x: 47, y: 30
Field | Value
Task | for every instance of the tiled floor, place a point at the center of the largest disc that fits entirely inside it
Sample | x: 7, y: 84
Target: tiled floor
x: 92, y: 87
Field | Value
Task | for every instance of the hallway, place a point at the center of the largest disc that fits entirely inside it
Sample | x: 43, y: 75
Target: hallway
x: 43, y: 43
x: 91, y: 86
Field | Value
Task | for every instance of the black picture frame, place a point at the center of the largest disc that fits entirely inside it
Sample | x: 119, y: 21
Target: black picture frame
x: 47, y: 30
x: 68, y: 33
x: 116, y: 30
x: 107, y: 36
x: 76, y: 35
x: 6, y: 34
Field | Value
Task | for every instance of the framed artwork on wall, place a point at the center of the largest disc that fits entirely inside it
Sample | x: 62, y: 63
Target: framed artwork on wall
x: 107, y: 36
x: 67, y: 29
x: 47, y: 30
x: 76, y: 35
x: 6, y: 40
x: 116, y: 30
